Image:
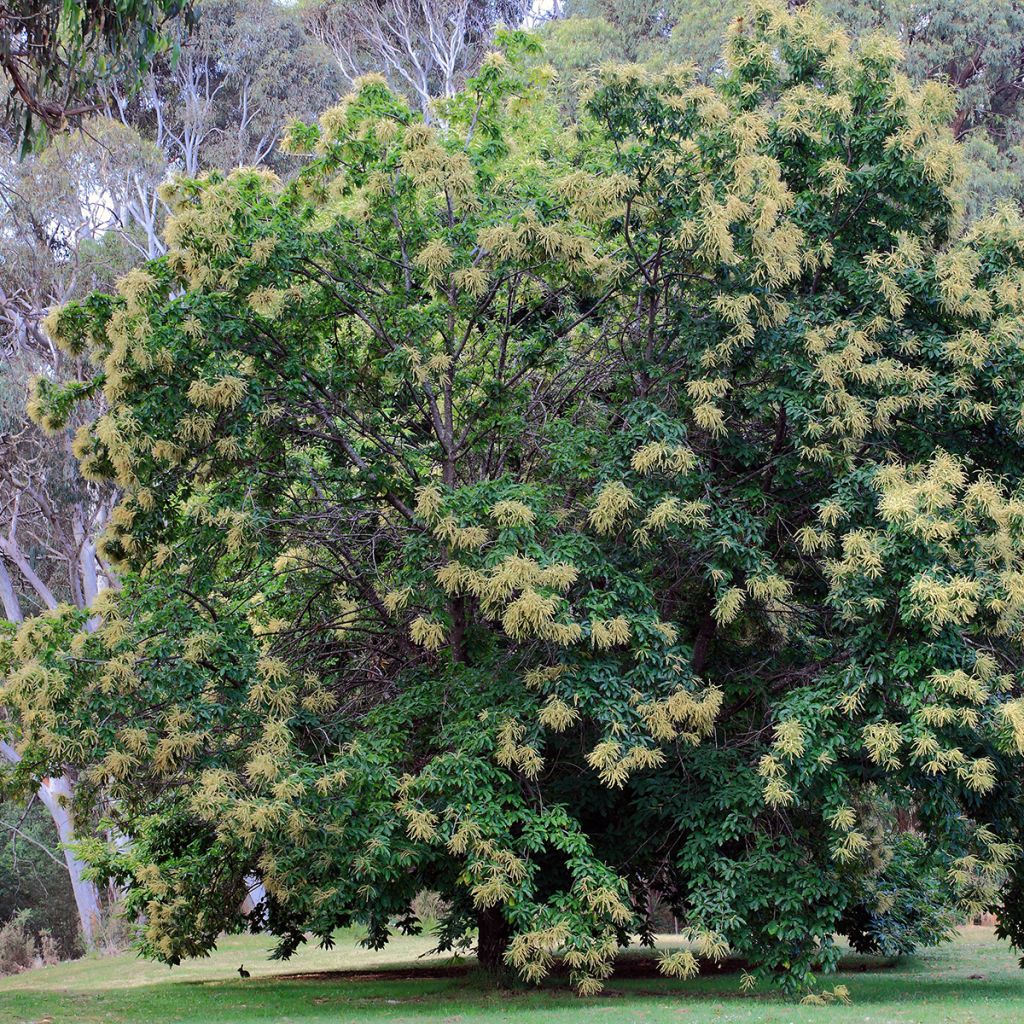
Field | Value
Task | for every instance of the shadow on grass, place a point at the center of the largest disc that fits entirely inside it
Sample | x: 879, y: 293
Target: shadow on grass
x: 930, y: 990
x: 434, y: 989
x: 628, y: 966
x: 875, y: 980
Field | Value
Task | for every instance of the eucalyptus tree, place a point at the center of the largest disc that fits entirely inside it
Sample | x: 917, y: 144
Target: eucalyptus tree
x: 225, y: 97
x: 55, y: 54
x: 426, y: 48
x: 976, y: 46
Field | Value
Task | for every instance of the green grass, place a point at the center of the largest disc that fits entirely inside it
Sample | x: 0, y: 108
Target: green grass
x: 933, y: 988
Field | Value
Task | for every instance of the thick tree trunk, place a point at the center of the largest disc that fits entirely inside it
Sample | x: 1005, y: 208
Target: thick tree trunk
x: 492, y: 941
x: 255, y: 894
x: 56, y: 795
x: 9, y: 599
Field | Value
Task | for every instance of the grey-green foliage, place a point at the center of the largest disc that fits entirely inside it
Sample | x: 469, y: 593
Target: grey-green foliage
x: 55, y: 54
x: 975, y: 45
x: 72, y: 220
x: 699, y: 31
x: 248, y: 70
x: 639, y: 24
x: 995, y: 175
x: 577, y: 48
x: 270, y: 70
x: 686, y: 31
x: 425, y: 48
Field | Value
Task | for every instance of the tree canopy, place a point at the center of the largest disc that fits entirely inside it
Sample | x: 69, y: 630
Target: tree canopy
x: 975, y: 46
x: 547, y: 513
x: 53, y: 53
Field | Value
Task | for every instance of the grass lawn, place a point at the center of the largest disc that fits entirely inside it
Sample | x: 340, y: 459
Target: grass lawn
x: 933, y: 988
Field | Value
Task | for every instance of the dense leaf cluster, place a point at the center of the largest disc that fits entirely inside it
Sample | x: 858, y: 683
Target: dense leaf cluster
x: 54, y: 53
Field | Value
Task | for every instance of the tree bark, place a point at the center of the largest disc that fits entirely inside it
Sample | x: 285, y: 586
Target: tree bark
x: 56, y: 795
x: 255, y: 894
x: 492, y: 941
x: 8, y: 597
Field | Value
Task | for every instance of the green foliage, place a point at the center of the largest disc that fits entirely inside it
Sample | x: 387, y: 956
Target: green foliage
x: 55, y: 52
x: 542, y: 514
x: 904, y: 905
x: 1011, y: 926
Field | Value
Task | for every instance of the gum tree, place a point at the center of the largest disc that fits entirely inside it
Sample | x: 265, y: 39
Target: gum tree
x: 54, y: 55
x: 548, y: 515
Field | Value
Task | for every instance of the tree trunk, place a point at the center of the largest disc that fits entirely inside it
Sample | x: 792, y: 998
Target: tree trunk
x: 9, y: 599
x: 492, y: 941
x: 56, y: 795
x: 255, y: 894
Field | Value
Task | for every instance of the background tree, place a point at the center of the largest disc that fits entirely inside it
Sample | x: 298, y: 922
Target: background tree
x: 683, y: 30
x: 426, y: 48
x: 54, y: 54
x: 75, y: 215
x: 34, y: 878
x: 977, y: 47
x: 239, y: 78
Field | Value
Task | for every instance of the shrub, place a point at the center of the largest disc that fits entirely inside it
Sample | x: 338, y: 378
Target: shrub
x: 17, y: 944
x: 49, y: 949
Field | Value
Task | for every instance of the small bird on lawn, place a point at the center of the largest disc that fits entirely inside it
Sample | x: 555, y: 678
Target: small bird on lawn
x: 242, y: 972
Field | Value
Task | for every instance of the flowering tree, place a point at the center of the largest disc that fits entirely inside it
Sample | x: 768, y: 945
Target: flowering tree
x: 545, y: 515
x: 70, y: 215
